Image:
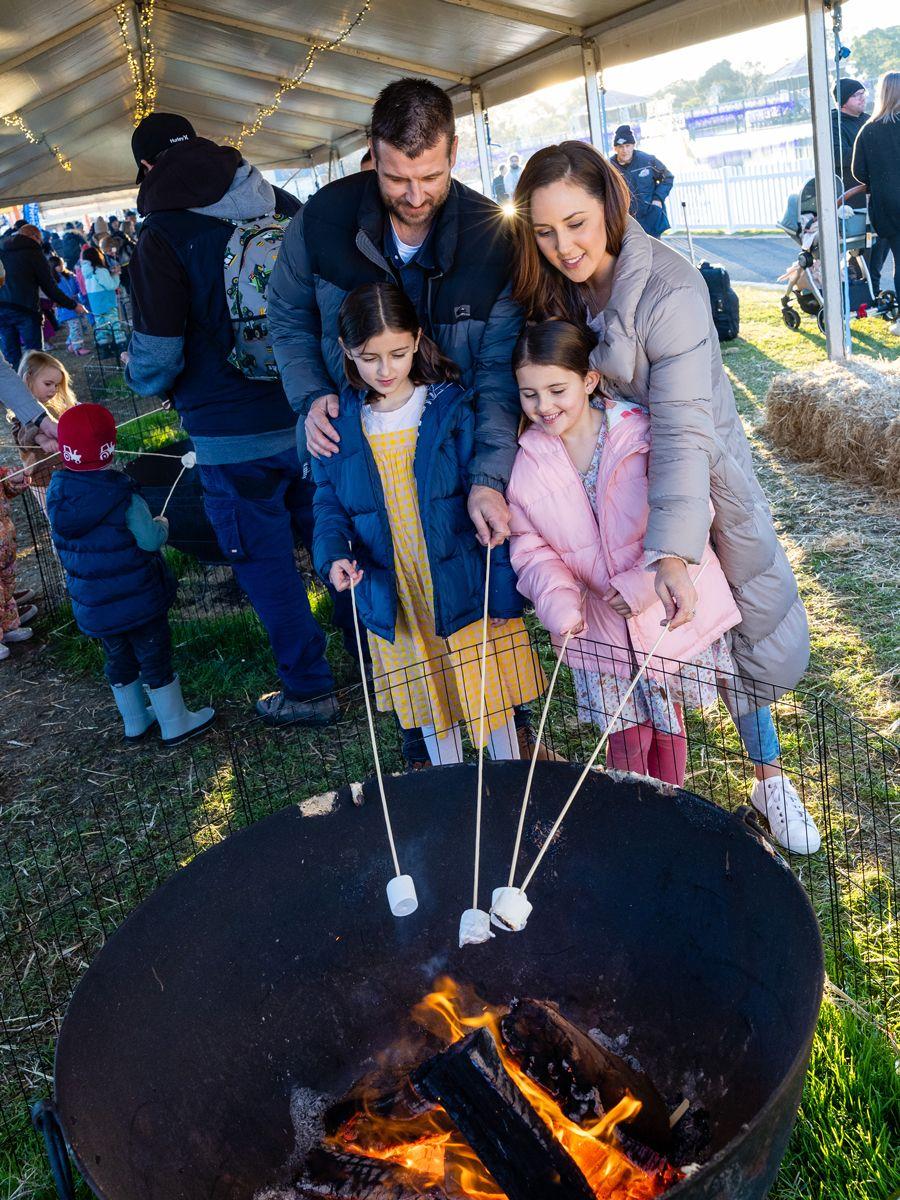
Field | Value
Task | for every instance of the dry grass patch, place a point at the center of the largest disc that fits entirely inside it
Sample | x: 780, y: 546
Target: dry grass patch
x: 845, y: 416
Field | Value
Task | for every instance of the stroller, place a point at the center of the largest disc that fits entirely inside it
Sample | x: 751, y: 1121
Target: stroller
x: 804, y: 277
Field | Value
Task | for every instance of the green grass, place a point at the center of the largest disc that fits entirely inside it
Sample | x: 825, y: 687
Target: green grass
x: 846, y: 1143
x: 152, y: 432
x: 127, y: 835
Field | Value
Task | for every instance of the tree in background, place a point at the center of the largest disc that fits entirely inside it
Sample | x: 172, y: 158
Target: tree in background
x: 874, y: 53
x: 721, y: 82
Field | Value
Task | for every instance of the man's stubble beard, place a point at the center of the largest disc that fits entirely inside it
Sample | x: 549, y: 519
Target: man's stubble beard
x: 406, y: 217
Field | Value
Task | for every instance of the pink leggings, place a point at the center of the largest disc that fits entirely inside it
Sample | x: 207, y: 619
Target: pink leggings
x: 647, y: 751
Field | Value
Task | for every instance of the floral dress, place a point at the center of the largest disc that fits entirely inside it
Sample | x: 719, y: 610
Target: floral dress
x: 653, y: 702
x: 423, y: 678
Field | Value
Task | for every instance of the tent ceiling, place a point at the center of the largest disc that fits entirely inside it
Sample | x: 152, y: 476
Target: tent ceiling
x: 63, y: 68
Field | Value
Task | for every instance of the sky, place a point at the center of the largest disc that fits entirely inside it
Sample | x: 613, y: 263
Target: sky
x: 771, y: 46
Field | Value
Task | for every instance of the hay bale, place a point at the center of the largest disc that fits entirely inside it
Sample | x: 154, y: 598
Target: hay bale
x: 845, y: 416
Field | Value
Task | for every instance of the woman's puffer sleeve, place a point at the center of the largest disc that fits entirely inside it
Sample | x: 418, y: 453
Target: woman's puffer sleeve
x: 683, y: 443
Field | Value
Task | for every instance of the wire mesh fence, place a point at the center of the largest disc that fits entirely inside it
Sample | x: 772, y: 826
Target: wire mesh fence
x: 105, y: 841
x: 97, y: 843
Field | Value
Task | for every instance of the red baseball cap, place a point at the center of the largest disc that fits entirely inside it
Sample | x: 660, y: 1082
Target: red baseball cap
x: 87, y: 437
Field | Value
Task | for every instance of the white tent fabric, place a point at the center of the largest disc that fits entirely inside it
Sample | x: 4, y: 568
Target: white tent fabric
x: 63, y: 68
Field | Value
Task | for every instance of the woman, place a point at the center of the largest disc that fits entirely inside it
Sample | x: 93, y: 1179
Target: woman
x: 876, y: 163
x: 581, y: 257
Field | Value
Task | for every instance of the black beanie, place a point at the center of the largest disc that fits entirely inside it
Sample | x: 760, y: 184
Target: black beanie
x: 847, y: 88
x: 624, y: 136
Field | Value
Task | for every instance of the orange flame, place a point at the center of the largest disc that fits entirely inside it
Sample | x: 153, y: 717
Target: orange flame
x: 431, y: 1149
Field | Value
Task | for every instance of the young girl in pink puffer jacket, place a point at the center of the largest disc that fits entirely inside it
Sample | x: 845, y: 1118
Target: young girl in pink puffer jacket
x: 578, y: 504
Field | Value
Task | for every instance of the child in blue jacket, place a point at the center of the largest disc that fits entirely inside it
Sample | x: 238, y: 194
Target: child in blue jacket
x: 395, y: 492
x: 120, y: 588
x: 68, y: 317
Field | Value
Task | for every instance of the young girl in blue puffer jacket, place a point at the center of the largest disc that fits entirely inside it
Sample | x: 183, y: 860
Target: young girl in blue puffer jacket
x: 391, y: 520
x: 120, y: 588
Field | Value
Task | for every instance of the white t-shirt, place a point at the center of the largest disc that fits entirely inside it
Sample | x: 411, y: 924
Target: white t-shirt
x: 407, y: 416
x: 406, y: 252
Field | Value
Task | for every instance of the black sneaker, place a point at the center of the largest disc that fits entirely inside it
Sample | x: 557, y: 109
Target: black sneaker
x: 278, y: 709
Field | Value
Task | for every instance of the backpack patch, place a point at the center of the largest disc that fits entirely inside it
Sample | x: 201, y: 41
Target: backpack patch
x: 249, y: 261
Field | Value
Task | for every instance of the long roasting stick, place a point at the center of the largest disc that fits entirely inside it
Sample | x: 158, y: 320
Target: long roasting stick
x: 377, y: 757
x: 600, y: 746
x: 534, y: 757
x: 131, y: 420
x: 481, y: 705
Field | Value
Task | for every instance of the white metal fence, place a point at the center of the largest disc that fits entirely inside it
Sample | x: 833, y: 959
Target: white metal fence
x: 730, y: 200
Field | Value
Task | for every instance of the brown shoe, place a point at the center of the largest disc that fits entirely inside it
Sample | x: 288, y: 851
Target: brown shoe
x: 525, y: 735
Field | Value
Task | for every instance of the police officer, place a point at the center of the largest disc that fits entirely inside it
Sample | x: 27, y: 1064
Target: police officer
x: 649, y: 181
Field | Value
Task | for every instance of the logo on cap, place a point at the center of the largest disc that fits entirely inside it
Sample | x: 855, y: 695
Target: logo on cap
x: 107, y: 450
x: 71, y: 455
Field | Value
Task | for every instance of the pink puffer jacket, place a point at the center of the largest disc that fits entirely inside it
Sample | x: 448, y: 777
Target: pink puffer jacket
x: 566, y: 559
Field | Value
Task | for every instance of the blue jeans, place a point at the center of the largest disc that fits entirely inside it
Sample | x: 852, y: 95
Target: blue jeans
x: 19, y: 331
x: 757, y: 730
x: 253, y: 508
x: 145, y: 652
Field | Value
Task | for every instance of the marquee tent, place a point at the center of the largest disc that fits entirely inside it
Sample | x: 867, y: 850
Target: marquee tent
x: 70, y: 70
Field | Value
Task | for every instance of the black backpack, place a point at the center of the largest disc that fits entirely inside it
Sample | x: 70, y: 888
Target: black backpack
x: 726, y: 308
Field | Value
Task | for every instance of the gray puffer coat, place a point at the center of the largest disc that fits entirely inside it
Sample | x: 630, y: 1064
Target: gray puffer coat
x: 657, y: 343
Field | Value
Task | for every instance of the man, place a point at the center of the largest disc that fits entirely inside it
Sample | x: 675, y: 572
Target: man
x: 513, y: 174
x: 845, y: 125
x: 27, y: 274
x: 365, y: 163
x: 446, y: 245
x: 649, y: 182
x: 192, y: 192
x: 499, y: 185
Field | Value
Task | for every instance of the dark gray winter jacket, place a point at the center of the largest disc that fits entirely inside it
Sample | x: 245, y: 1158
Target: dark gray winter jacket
x: 336, y: 245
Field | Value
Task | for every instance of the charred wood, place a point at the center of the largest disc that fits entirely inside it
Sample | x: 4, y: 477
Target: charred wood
x: 512, y: 1142
x: 331, y: 1176
x: 585, y: 1079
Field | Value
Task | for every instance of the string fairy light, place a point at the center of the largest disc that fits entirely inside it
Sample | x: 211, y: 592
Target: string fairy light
x: 142, y: 59
x: 15, y: 121
x: 288, y: 85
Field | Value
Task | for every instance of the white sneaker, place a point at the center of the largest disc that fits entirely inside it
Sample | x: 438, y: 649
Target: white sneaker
x: 791, y: 825
x: 895, y: 328
x: 27, y: 614
x: 22, y: 634
x: 4, y: 652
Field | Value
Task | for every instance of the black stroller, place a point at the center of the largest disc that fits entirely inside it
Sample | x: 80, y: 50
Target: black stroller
x: 804, y: 278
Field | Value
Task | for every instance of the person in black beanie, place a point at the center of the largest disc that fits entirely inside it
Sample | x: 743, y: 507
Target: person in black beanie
x: 846, y: 122
x: 648, y: 179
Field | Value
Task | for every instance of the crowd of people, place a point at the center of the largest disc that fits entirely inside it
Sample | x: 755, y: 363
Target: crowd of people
x: 48, y: 280
x: 461, y: 403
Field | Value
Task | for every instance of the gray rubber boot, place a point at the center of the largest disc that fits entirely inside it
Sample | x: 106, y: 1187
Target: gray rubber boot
x: 132, y: 705
x: 176, y: 722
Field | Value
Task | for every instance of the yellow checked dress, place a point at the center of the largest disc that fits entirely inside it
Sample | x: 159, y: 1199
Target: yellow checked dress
x: 423, y: 678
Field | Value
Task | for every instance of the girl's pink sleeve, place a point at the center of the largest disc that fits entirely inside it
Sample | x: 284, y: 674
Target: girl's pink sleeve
x: 542, y: 575
x: 637, y: 587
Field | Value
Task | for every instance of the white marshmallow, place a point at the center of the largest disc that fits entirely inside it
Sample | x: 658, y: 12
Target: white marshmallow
x: 474, y: 927
x: 401, y: 894
x: 189, y: 459
x: 510, y: 909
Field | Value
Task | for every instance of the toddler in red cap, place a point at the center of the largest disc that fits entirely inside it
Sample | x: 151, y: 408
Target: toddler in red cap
x: 120, y: 587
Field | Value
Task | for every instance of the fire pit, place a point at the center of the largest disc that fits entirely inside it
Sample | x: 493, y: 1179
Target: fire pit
x: 271, y: 967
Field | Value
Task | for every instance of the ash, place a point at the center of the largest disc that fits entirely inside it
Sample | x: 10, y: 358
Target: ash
x: 307, y: 1109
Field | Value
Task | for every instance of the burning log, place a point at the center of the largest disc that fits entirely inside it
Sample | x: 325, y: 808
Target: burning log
x: 398, y: 1102
x: 499, y: 1124
x: 584, y: 1078
x: 331, y: 1176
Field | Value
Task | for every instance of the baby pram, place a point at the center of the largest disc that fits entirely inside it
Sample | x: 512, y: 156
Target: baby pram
x: 804, y: 277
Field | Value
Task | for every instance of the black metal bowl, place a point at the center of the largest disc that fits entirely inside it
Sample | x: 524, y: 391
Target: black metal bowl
x: 272, y: 962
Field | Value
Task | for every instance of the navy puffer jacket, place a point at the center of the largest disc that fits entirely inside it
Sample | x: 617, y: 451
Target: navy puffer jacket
x: 114, y: 585
x: 336, y: 245
x: 349, y: 508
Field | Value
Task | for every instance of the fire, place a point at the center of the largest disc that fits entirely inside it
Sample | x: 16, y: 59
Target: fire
x: 430, y: 1148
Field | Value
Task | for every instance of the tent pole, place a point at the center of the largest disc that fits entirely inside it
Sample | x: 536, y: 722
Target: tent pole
x: 829, y: 239
x: 592, y: 93
x: 484, y: 152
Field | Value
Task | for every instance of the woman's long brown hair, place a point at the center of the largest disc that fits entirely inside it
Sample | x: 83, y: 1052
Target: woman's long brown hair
x: 539, y: 287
